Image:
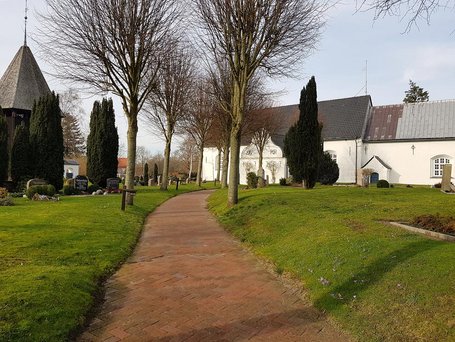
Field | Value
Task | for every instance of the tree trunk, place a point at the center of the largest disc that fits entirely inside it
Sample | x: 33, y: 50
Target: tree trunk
x: 238, y: 105
x: 225, y: 166
x: 167, y: 155
x: 131, y: 155
x: 191, y: 167
x: 261, y: 174
x: 218, y: 171
x: 234, y: 177
x: 199, y: 166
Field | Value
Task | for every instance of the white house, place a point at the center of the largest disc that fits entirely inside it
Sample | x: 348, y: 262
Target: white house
x: 405, y: 143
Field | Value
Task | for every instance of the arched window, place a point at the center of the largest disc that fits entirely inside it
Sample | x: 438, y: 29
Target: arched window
x: 437, y: 164
x: 333, y: 155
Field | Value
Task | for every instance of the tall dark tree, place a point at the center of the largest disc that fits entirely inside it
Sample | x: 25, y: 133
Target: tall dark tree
x: 46, y: 140
x: 155, y: 173
x: 102, y: 143
x: 302, y: 144
x: 146, y: 174
x: 3, y: 147
x: 21, y: 167
x: 415, y: 94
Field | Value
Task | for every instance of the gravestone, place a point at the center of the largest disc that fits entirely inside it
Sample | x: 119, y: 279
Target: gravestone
x: 446, y: 178
x: 81, y: 183
x: 159, y: 180
x: 36, y: 181
x: 112, y: 185
x: 151, y: 182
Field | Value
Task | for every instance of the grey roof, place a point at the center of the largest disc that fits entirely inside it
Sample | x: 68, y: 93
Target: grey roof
x: 343, y: 119
x: 427, y: 120
x: 23, y: 82
x: 412, y: 121
x: 379, y: 160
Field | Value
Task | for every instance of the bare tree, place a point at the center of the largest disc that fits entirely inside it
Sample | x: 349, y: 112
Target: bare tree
x: 265, y: 125
x: 409, y: 10
x: 269, y: 35
x: 200, y: 119
x: 186, y: 153
x: 142, y: 156
x: 168, y: 103
x: 111, y: 45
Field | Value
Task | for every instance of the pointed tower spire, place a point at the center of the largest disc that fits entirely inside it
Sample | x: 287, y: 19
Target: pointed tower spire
x: 26, y: 18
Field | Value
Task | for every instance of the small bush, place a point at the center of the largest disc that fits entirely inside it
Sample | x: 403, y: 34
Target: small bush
x: 3, y: 193
x: 92, y: 188
x: 283, y: 182
x: 48, y: 190
x: 437, y: 185
x: 252, y: 180
x: 328, y: 171
x: 382, y: 183
x: 69, y: 190
x: 6, y: 202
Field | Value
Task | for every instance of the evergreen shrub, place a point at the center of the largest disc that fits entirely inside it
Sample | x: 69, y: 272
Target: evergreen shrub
x: 252, y: 180
x: 328, y: 172
x: 283, y: 182
x: 48, y: 190
x: 382, y: 183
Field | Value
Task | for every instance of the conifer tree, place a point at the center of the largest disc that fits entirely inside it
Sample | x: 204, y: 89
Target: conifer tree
x: 302, y: 143
x: 3, y: 147
x: 102, y: 143
x: 146, y: 174
x: 415, y: 94
x: 21, y: 167
x: 46, y: 140
x: 155, y: 173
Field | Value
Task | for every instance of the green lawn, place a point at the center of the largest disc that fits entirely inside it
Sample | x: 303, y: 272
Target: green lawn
x: 384, y: 283
x: 54, y: 256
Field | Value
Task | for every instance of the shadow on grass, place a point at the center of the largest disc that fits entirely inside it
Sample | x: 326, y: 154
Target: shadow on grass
x: 372, y: 274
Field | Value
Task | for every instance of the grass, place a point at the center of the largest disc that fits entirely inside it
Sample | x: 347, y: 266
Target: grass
x: 378, y: 282
x: 55, y: 255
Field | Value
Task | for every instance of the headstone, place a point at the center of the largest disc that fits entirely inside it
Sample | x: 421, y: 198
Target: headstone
x: 261, y: 180
x: 159, y: 180
x: 81, y: 183
x: 151, y: 182
x: 446, y: 178
x: 36, y: 181
x: 112, y: 184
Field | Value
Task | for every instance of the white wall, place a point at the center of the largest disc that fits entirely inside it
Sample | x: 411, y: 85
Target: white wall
x: 408, y: 165
x: 74, y: 168
x: 346, y: 158
x: 249, y: 160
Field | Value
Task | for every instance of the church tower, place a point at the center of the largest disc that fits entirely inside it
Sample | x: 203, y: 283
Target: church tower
x: 21, y: 84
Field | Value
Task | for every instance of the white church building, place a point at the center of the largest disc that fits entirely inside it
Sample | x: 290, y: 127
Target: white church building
x: 403, y: 144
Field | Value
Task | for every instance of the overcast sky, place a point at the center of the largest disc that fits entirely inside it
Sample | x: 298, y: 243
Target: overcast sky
x: 425, y: 54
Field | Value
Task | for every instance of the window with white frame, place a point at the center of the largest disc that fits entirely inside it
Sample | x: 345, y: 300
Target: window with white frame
x: 437, y: 164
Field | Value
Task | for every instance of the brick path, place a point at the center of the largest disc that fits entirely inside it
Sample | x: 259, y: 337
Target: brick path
x: 188, y: 280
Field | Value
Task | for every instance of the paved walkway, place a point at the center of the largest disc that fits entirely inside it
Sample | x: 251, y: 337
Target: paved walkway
x: 188, y: 280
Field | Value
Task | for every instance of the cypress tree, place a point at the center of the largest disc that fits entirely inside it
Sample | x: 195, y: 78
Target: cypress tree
x: 46, y: 140
x: 20, y: 155
x: 3, y: 147
x: 146, y: 174
x: 155, y: 173
x: 302, y: 143
x: 102, y: 143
